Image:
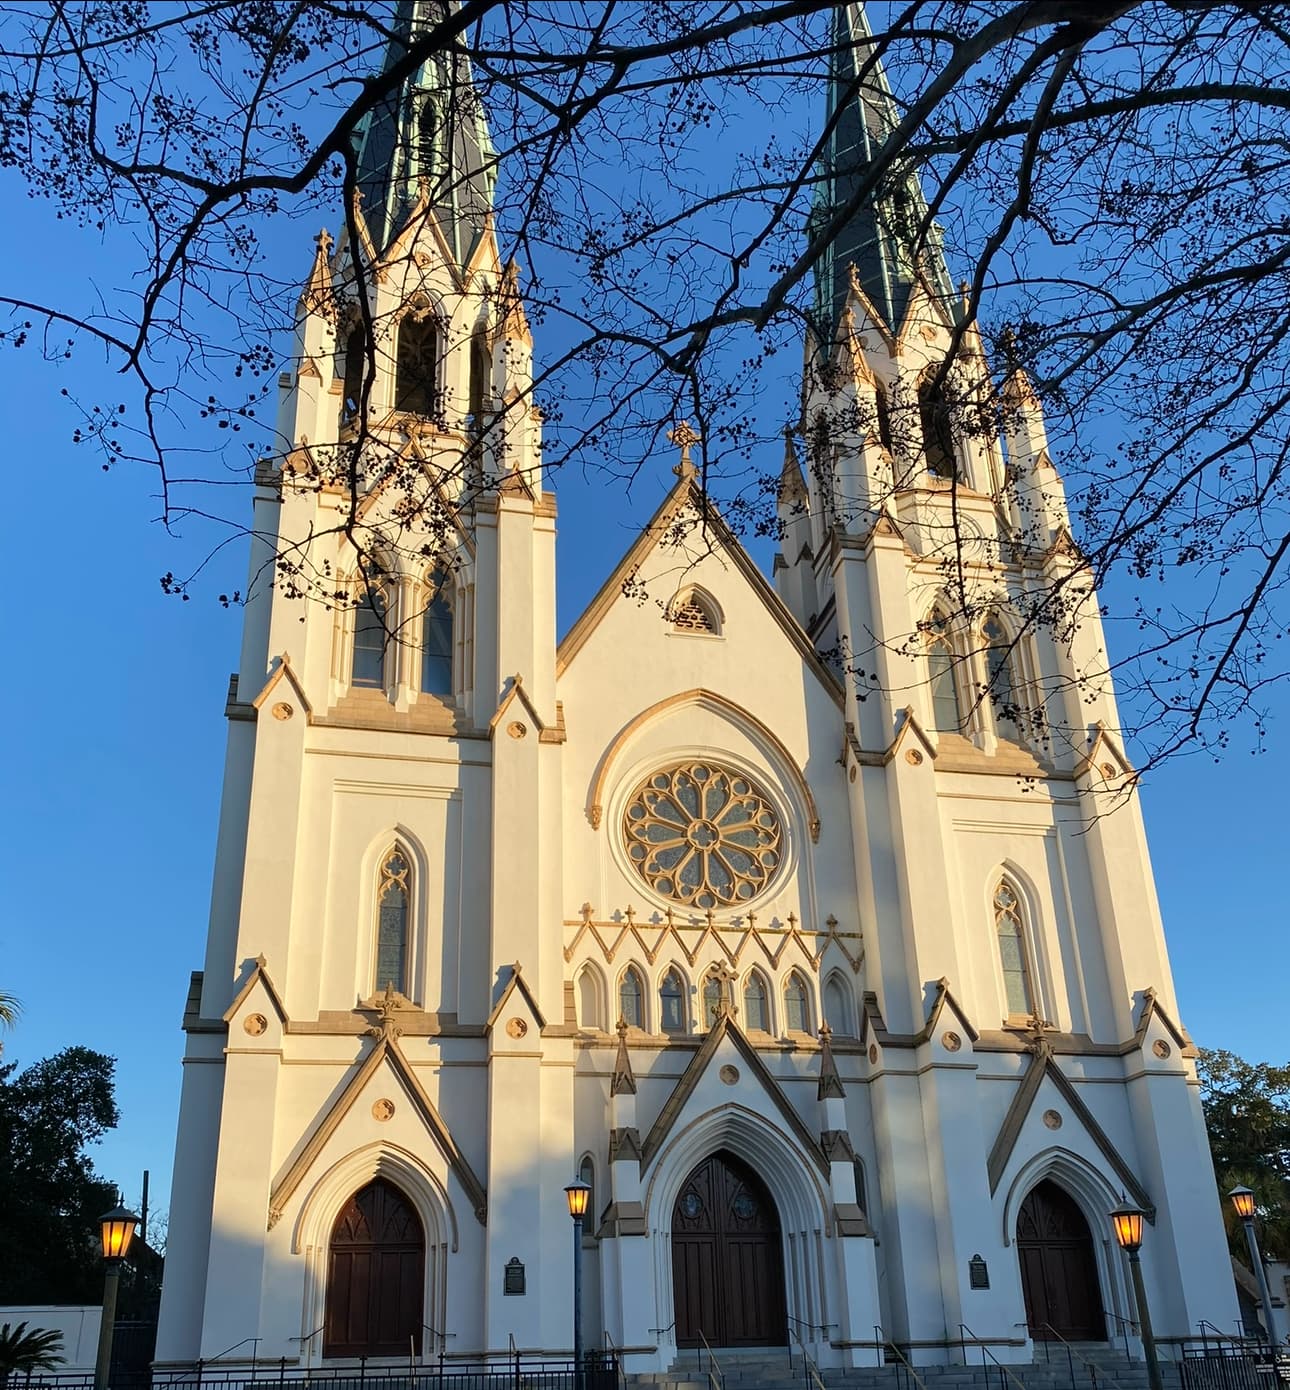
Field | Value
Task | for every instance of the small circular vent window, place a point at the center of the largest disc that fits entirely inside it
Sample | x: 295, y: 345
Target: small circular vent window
x: 703, y: 835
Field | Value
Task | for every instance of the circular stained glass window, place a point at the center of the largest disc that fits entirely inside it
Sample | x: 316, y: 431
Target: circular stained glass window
x: 703, y: 835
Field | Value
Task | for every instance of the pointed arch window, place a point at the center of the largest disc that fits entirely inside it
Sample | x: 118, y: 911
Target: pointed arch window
x: 711, y: 1000
x: 946, y: 715
x: 999, y: 649
x: 671, y: 1003
x: 797, y: 1013
x: 481, y: 369
x: 355, y: 371
x: 587, y: 1174
x: 884, y: 417
x: 436, y: 637
x: 756, y: 1004
x: 938, y: 433
x: 416, y: 373
x: 1009, y: 930
x: 371, y: 636
x: 587, y: 998
x: 393, y: 899
x: 837, y: 1006
x: 631, y: 998
x: 693, y: 611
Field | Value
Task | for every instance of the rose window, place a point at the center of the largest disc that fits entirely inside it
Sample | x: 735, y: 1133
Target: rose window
x: 703, y: 835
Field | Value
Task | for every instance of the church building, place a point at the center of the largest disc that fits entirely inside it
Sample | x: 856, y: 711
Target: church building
x: 808, y: 918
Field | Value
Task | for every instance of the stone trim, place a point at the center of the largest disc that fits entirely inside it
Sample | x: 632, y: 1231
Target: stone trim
x: 850, y: 1220
x: 624, y: 1143
x: 837, y: 1147
x: 516, y: 981
x: 623, y: 1219
x: 259, y: 973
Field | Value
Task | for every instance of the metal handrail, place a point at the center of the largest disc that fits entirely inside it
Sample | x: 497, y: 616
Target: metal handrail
x: 716, y: 1378
x: 985, y: 1351
x: 813, y: 1377
x: 884, y: 1345
x: 1126, y: 1325
x: 1072, y: 1353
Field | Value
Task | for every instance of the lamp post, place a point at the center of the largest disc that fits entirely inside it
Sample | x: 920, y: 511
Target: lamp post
x: 579, y: 1194
x: 1127, y: 1224
x: 116, y: 1228
x: 1243, y: 1201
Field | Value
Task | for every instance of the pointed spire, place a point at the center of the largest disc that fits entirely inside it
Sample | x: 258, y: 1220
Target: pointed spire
x: 316, y: 297
x: 512, y: 321
x: 792, y: 485
x: 622, y: 1082
x: 830, y: 1086
x: 879, y: 235
x: 427, y: 139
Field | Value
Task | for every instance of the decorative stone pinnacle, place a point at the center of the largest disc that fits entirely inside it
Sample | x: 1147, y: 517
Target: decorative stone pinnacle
x: 684, y: 436
x: 588, y: 912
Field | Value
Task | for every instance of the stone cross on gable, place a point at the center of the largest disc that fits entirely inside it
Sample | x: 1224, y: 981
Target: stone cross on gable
x: 684, y: 436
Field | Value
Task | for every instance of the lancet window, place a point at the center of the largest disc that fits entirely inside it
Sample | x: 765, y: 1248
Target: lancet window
x: 631, y: 998
x: 837, y: 1006
x: 587, y: 1174
x: 416, y: 374
x: 884, y: 417
x: 436, y: 636
x: 393, y: 901
x: 756, y: 1003
x: 355, y: 370
x: 711, y: 999
x: 371, y: 636
x: 588, y: 999
x: 671, y: 1003
x: 797, y: 1011
x: 481, y: 369
x: 695, y: 612
x: 1009, y: 930
x: 938, y: 433
x: 999, y: 654
x: 946, y: 715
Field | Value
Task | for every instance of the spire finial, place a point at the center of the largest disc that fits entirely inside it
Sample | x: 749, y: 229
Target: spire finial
x: 684, y: 436
x: 622, y: 1082
x: 830, y: 1082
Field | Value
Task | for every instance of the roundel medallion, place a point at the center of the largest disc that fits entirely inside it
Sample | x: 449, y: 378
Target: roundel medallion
x: 703, y: 835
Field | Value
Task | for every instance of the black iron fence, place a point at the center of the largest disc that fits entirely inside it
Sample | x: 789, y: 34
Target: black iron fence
x: 600, y: 1371
x: 1236, y: 1366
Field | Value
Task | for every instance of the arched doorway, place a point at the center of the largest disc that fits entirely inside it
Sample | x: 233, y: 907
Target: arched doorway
x: 1058, y: 1268
x: 727, y: 1258
x: 375, y: 1275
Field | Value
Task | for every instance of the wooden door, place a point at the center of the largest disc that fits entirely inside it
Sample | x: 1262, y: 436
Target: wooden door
x: 375, y: 1276
x: 727, y: 1258
x: 1058, y: 1268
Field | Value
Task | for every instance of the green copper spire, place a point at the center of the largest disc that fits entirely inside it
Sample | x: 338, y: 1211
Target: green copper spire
x: 431, y: 134
x: 879, y: 235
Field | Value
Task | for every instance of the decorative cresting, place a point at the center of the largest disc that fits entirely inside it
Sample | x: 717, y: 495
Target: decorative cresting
x: 703, y: 835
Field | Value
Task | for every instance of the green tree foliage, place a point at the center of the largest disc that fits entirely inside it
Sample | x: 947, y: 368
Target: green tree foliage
x: 50, y: 1195
x: 23, y: 1350
x: 1247, y: 1112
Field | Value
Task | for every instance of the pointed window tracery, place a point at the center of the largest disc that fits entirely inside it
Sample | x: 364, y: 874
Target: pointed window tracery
x: 999, y: 670
x: 393, y: 897
x: 711, y: 999
x: 437, y: 637
x: 946, y: 715
x: 797, y: 1014
x: 416, y: 374
x: 671, y: 1001
x: 631, y: 998
x: 1010, y: 932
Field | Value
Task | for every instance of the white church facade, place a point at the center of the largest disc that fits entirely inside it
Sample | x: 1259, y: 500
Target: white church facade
x: 809, y: 918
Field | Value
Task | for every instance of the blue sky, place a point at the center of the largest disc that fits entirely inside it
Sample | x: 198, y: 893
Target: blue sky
x: 114, y: 755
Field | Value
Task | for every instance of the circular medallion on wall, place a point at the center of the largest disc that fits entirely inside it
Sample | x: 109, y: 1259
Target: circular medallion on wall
x: 703, y: 835
x: 516, y: 1027
x: 873, y: 1052
x: 383, y: 1109
x: 255, y: 1024
x: 1052, y: 1119
x: 729, y: 1074
x: 951, y: 1041
x: 1161, y: 1048
x: 282, y: 710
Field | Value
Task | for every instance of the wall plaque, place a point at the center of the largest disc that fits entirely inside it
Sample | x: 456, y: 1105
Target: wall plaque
x: 978, y: 1274
x: 513, y: 1278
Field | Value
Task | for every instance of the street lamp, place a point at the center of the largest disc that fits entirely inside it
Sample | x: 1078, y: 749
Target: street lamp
x: 579, y: 1194
x: 1126, y: 1221
x: 1243, y: 1201
x: 116, y: 1229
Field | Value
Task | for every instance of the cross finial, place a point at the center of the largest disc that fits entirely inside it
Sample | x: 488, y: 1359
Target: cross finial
x: 684, y: 436
x: 588, y: 912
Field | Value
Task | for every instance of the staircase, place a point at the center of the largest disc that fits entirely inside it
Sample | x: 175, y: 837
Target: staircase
x: 1088, y: 1366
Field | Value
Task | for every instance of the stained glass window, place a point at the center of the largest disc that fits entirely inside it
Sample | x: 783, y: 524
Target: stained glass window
x: 711, y: 999
x: 1012, y: 949
x: 392, y: 922
x: 703, y: 835
x: 756, y: 1004
x: 631, y: 999
x: 436, y: 638
x: 671, y: 998
x: 797, y: 1017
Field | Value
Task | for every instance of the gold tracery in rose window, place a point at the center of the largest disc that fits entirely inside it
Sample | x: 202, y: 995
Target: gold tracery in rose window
x: 703, y: 835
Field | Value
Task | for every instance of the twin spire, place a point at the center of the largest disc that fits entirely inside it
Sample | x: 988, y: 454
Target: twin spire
x: 427, y: 139
x: 879, y: 232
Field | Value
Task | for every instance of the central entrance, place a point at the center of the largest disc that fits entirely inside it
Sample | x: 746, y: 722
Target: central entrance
x: 727, y: 1258
x: 1058, y: 1268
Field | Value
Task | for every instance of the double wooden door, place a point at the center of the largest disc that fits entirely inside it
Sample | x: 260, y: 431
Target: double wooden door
x: 727, y: 1258
x: 375, y: 1276
x: 1058, y: 1268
